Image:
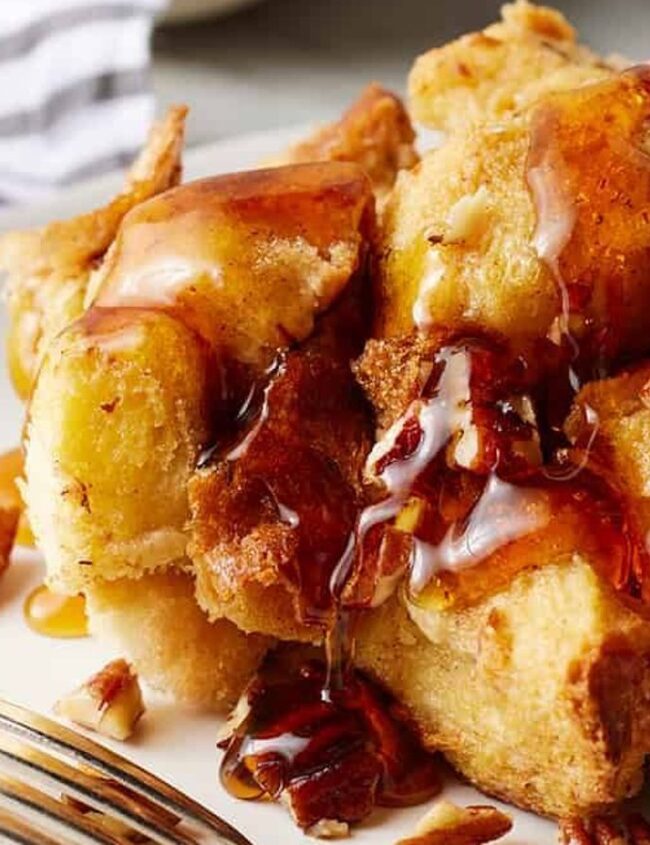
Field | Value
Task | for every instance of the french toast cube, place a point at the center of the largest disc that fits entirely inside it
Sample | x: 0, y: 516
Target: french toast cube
x: 493, y: 74
x: 115, y: 426
x: 537, y: 694
x: 156, y: 622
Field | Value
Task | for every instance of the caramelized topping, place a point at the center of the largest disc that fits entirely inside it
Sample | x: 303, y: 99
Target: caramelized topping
x: 330, y: 758
x: 52, y: 615
x: 285, y: 470
x: 291, y: 467
x: 462, y: 483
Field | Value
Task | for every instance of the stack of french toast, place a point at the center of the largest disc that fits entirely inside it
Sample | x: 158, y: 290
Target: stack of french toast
x: 414, y: 388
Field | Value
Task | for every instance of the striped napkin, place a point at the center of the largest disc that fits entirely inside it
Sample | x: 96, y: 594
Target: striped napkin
x: 74, y: 90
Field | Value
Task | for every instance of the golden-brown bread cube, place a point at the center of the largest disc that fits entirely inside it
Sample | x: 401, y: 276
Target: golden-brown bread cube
x: 537, y: 694
x: 375, y: 132
x: 247, y: 259
x: 49, y: 268
x: 488, y: 229
x: 123, y: 403
x: 116, y: 421
x: 156, y: 622
x: 489, y: 75
x: 486, y: 271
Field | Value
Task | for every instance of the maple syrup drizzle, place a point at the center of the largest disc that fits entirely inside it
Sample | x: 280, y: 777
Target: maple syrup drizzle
x: 297, y: 743
x: 324, y: 725
x: 57, y: 616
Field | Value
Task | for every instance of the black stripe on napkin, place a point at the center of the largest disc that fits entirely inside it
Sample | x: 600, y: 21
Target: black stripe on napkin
x: 77, y: 95
x: 23, y: 40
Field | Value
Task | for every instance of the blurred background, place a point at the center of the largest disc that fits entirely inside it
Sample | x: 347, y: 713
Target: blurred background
x: 294, y: 61
x: 80, y: 79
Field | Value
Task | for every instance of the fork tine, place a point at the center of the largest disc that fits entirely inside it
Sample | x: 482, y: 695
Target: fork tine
x: 30, y: 762
x: 43, y: 731
x: 17, y: 796
x: 13, y: 830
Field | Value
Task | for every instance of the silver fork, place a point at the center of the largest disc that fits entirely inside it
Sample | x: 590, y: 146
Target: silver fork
x: 59, y: 787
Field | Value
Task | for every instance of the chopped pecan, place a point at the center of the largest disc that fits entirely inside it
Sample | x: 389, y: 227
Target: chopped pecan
x: 634, y: 830
x: 110, y: 702
x: 447, y: 824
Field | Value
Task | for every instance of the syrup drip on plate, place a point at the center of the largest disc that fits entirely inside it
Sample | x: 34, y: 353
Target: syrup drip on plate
x: 52, y: 615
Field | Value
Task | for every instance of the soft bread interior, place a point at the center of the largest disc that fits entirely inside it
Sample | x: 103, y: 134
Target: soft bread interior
x: 115, y: 426
x: 156, y: 623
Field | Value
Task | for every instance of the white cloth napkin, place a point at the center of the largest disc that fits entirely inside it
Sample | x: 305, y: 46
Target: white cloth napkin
x: 74, y: 90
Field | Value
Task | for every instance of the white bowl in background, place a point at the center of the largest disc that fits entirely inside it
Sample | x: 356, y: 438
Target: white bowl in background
x: 183, y: 11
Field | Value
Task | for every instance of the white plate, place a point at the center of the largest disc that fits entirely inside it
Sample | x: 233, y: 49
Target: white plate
x: 176, y: 745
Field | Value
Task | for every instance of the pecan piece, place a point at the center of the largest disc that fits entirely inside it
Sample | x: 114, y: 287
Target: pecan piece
x: 110, y: 702
x: 447, y: 824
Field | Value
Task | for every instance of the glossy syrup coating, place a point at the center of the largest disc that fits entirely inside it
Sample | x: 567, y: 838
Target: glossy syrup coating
x: 57, y: 616
x: 273, y: 507
x: 589, y: 173
x: 333, y: 757
x: 485, y: 230
x: 247, y: 260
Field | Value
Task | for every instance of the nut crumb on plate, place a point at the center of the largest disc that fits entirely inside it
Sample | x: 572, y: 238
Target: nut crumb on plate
x: 448, y: 824
x: 329, y: 829
x: 110, y: 702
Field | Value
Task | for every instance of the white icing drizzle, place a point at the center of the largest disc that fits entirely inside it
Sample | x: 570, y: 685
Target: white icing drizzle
x: 123, y: 339
x: 556, y: 214
x: 503, y: 513
x: 159, y: 282
x: 288, y: 515
x: 447, y: 412
x: 287, y: 745
x: 434, y: 271
x: 556, y: 218
x: 439, y: 418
